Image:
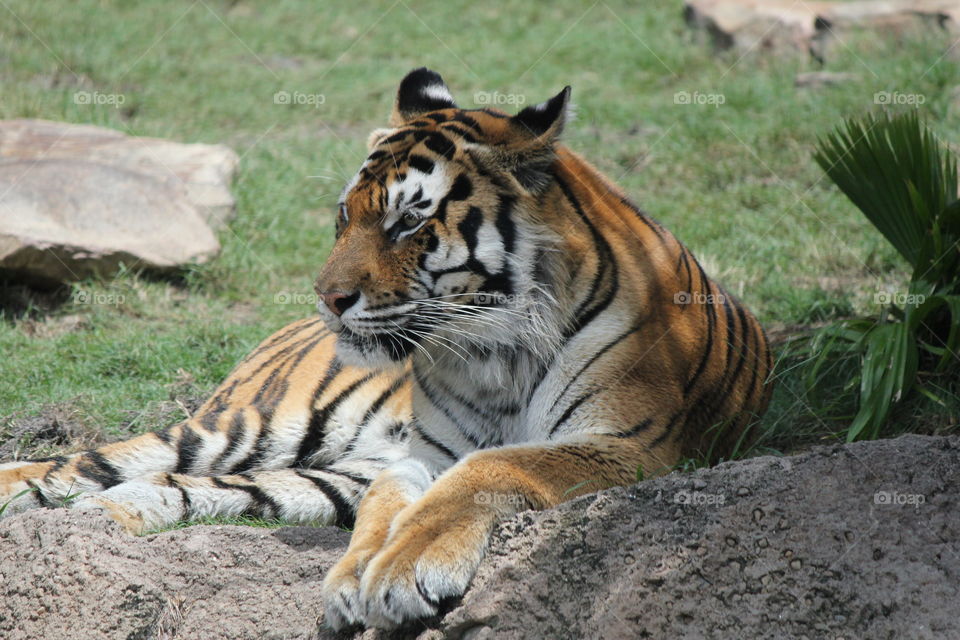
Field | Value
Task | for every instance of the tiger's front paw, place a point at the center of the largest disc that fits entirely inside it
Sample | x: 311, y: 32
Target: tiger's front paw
x: 341, y: 589
x: 431, y: 555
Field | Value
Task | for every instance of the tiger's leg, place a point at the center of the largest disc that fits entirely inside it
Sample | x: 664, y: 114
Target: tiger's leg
x: 434, y: 545
x: 328, y: 495
x: 52, y: 482
x: 393, y: 490
x: 270, y: 413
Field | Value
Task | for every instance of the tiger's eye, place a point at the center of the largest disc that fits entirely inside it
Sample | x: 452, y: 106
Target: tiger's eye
x: 410, y: 219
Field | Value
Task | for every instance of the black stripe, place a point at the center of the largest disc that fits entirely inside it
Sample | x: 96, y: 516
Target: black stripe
x: 573, y: 407
x: 265, y: 505
x: 58, y: 462
x: 440, y: 145
x: 163, y: 435
x: 463, y: 133
x: 708, y: 349
x: 96, y: 467
x: 468, y: 121
x: 644, y: 218
x: 235, y: 436
x: 420, y: 163
x: 433, y: 602
x: 383, y: 397
x: 185, y: 499
x: 259, y: 449
x: 349, y: 476
x: 667, y: 430
x: 469, y: 227
x: 594, y: 358
x: 640, y: 427
x: 187, y: 449
x: 436, y: 444
x: 315, y: 435
x: 44, y: 501
x: 373, y: 409
x: 422, y: 383
x: 504, y: 223
x: 345, y: 513
x: 606, y: 262
x: 686, y: 264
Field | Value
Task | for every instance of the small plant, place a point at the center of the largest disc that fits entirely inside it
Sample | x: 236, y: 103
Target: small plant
x: 6, y: 504
x: 904, y: 180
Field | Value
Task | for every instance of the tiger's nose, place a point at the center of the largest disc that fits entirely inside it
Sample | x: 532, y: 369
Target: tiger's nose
x: 338, y: 302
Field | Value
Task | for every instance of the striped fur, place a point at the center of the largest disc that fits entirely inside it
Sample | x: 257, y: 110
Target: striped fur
x: 292, y: 433
x: 505, y: 330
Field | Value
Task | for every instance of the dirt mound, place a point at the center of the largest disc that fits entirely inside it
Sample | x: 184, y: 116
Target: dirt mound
x: 855, y: 541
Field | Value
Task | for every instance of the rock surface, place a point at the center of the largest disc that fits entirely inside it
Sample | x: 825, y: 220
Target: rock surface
x: 77, y: 200
x: 856, y: 541
x: 788, y: 25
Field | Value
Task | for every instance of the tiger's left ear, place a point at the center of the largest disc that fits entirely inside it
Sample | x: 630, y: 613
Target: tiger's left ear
x: 529, y: 150
x: 544, y: 122
x: 420, y: 92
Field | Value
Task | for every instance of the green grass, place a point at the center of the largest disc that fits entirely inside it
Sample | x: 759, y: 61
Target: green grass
x: 736, y: 182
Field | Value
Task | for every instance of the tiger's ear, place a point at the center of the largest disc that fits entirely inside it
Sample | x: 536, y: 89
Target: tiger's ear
x: 420, y: 92
x: 528, y: 152
x: 544, y: 122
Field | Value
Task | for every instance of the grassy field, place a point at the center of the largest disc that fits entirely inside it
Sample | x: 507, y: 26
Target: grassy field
x: 735, y: 180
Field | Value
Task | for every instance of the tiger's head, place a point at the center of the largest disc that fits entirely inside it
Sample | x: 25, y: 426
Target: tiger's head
x: 438, y: 242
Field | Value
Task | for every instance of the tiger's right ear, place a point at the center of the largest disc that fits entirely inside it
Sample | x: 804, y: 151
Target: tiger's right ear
x: 420, y: 92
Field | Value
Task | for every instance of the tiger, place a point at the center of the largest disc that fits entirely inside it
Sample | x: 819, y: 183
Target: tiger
x: 499, y: 328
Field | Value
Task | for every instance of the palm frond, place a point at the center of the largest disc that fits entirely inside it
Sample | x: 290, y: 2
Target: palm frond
x: 896, y: 172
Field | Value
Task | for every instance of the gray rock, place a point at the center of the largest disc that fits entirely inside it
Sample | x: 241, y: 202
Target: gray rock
x: 856, y: 541
x: 808, y: 27
x: 77, y: 200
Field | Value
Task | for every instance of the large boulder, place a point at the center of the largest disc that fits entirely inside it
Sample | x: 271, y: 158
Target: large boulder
x: 791, y: 25
x: 79, y: 200
x: 856, y: 541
